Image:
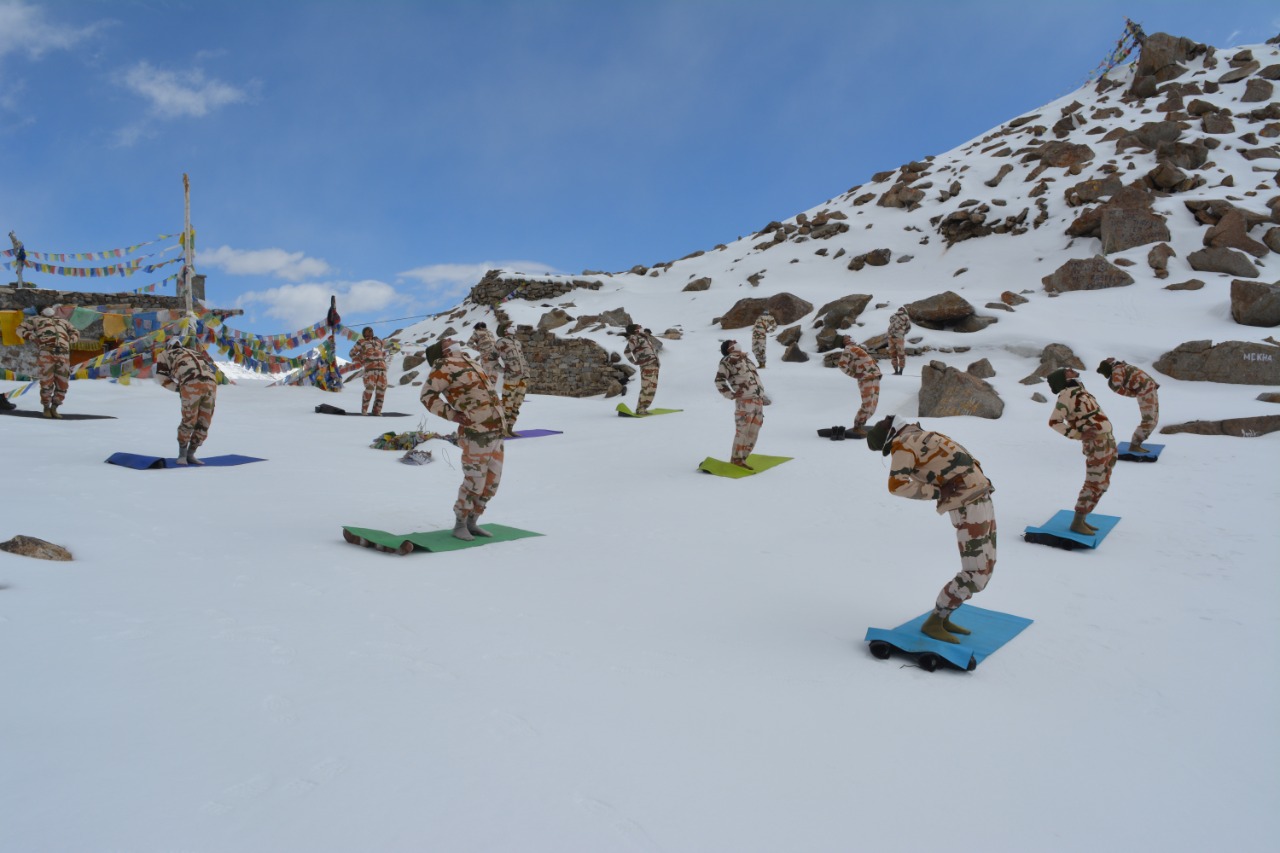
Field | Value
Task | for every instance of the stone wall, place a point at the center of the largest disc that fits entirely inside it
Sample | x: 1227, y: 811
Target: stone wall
x: 496, y: 287
x: 568, y: 367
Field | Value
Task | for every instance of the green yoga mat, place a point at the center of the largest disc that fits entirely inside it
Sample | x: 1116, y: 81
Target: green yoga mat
x: 436, y: 540
x: 624, y: 411
x: 756, y: 461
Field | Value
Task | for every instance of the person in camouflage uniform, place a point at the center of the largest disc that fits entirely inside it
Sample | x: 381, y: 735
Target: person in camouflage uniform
x: 764, y: 326
x: 371, y: 354
x: 191, y: 374
x: 458, y: 390
x: 930, y: 466
x: 641, y: 352
x: 1077, y: 415
x: 1129, y: 381
x: 899, y: 325
x: 53, y: 337
x: 515, y: 372
x: 858, y: 364
x: 737, y: 380
x: 482, y: 341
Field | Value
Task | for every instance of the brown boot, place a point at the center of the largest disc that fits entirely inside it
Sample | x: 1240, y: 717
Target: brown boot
x: 1079, y: 525
x: 1137, y: 448
x: 954, y: 628
x: 934, y: 628
x: 743, y: 465
x: 48, y: 412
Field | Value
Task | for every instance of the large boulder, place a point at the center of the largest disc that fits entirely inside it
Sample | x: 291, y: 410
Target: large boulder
x: 1053, y: 357
x: 30, y: 546
x: 786, y: 308
x: 1232, y: 232
x: 1220, y: 259
x: 939, y: 312
x: 947, y: 392
x: 1238, y: 427
x: 1161, y: 59
x: 554, y: 319
x: 843, y: 312
x: 1255, y: 303
x: 1086, y: 274
x: 1230, y: 362
x: 1123, y: 229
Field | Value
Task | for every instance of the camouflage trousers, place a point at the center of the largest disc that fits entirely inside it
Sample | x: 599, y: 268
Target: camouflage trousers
x: 198, y: 400
x: 975, y: 525
x: 1149, y: 408
x: 870, y: 389
x: 375, y: 388
x: 748, y: 415
x: 1099, y: 458
x: 898, y: 353
x: 55, y: 373
x: 758, y: 350
x: 481, y: 471
x: 648, y: 387
x: 513, y: 391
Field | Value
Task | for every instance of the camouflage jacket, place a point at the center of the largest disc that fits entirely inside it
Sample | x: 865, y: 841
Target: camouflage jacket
x: 929, y: 466
x: 899, y: 324
x: 370, y: 353
x: 858, y: 363
x: 458, y: 389
x: 1077, y: 414
x: 765, y: 325
x: 736, y: 377
x: 1129, y: 381
x: 511, y: 357
x: 640, y: 350
x: 50, y: 334
x: 177, y: 366
x: 482, y: 341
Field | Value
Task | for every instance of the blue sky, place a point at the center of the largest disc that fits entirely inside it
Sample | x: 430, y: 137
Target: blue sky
x: 390, y: 152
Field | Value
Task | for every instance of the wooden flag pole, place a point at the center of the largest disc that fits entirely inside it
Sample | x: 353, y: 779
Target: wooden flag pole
x: 188, y: 240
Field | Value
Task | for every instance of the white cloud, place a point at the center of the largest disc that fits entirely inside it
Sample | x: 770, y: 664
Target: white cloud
x: 180, y: 93
x: 299, y: 305
x: 450, y: 281
x: 24, y: 29
x: 290, y: 266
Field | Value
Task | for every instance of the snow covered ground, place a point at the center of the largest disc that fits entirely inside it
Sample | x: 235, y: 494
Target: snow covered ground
x: 678, y: 664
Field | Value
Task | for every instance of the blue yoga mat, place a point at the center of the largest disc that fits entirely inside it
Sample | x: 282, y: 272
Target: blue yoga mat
x: 1122, y: 450
x: 991, y: 630
x: 139, y: 462
x: 534, y: 433
x: 1059, y: 528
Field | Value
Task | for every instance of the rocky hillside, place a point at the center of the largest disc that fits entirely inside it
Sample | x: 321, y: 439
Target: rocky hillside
x: 1161, y: 178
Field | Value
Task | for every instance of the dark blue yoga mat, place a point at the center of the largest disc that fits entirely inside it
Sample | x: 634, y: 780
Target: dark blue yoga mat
x: 139, y: 462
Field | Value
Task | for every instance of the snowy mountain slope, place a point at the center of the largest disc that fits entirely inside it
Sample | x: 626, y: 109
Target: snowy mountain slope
x: 678, y: 663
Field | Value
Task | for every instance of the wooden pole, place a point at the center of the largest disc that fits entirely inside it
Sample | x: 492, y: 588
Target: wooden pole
x: 188, y: 268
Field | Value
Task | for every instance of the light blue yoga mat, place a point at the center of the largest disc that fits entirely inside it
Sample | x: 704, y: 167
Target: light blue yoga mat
x: 991, y: 630
x: 1059, y: 528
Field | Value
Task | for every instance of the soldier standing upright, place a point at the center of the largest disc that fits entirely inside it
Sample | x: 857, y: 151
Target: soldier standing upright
x: 858, y: 364
x: 482, y: 341
x: 459, y: 390
x: 930, y: 466
x: 641, y: 352
x: 371, y: 354
x: 1077, y: 415
x: 899, y: 325
x: 53, y: 337
x: 764, y: 326
x: 736, y: 379
x: 192, y: 375
x: 515, y: 372
x: 1129, y: 381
